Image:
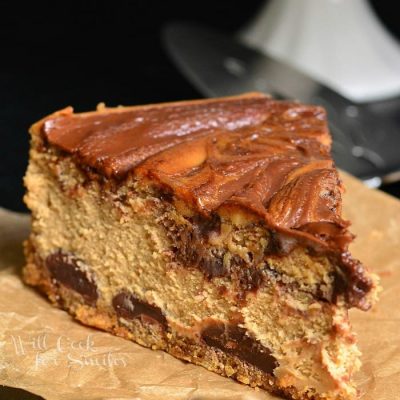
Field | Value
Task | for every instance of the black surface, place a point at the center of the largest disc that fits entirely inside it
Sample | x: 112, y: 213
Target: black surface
x: 9, y: 393
x: 56, y: 54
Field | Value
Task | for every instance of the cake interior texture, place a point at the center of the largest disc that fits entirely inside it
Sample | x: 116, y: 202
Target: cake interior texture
x: 209, y: 229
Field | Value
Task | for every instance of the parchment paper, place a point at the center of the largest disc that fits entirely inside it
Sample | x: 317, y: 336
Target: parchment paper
x: 44, y: 351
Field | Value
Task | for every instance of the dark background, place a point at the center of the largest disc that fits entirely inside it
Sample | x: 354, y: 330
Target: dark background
x: 55, y: 54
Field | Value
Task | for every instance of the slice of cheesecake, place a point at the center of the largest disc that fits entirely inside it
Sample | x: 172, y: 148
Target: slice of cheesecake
x: 210, y: 229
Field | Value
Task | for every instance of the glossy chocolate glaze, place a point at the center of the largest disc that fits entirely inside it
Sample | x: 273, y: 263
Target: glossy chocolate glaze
x: 269, y: 157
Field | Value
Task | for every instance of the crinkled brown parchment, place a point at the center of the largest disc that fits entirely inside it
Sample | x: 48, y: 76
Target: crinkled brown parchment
x: 44, y: 351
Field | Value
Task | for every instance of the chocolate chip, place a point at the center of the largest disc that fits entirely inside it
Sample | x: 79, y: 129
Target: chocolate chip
x: 351, y: 282
x: 127, y: 306
x: 233, y: 339
x: 166, y: 196
x: 204, y: 226
x: 64, y: 269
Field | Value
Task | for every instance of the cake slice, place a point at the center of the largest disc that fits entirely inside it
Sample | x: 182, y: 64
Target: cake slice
x: 210, y: 229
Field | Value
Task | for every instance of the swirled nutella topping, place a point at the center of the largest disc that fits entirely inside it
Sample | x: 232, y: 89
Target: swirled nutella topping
x: 270, y: 157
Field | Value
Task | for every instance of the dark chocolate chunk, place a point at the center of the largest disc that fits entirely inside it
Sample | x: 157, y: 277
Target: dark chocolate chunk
x: 127, y: 306
x: 233, y: 339
x: 352, y: 283
x: 190, y: 245
x: 204, y: 226
x: 64, y: 269
x: 166, y: 196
